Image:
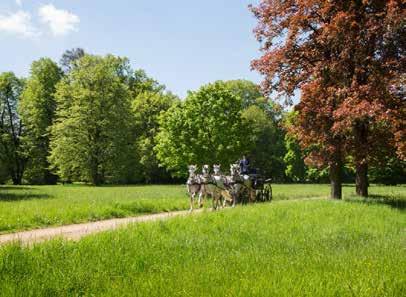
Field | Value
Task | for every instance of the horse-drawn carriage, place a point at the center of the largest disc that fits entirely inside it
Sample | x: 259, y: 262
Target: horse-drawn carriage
x: 227, y: 189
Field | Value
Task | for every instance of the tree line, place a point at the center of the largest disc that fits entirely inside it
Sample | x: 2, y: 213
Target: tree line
x: 94, y: 119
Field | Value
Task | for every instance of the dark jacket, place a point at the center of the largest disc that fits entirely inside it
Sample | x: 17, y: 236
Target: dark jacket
x: 244, y: 166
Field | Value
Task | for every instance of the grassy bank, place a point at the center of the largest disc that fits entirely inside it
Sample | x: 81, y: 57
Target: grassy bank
x: 295, y: 248
x: 29, y: 207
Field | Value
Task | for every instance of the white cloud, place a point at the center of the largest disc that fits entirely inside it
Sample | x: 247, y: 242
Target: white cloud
x: 59, y: 21
x: 18, y: 23
x: 19, y: 2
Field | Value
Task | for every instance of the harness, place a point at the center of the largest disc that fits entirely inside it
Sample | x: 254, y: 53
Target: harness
x: 193, y: 181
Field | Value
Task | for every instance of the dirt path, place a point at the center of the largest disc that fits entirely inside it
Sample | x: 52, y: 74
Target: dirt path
x: 77, y: 231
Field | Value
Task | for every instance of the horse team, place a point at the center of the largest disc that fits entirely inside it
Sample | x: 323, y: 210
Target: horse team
x: 225, y: 189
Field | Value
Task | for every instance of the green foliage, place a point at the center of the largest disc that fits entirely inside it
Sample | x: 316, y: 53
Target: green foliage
x: 312, y: 248
x: 147, y: 107
x: 267, y: 142
x: 391, y: 171
x: 140, y: 83
x: 204, y: 129
x: 295, y: 167
x: 294, y: 158
x: 91, y: 137
x: 70, y: 58
x: 249, y: 93
x: 11, y: 129
x: 37, y: 111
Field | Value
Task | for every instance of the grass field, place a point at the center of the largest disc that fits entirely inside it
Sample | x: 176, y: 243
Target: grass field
x: 293, y: 248
x: 30, y: 207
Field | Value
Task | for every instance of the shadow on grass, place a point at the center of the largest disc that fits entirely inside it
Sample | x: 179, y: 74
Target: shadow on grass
x: 398, y: 202
x: 16, y: 194
x: 11, y: 188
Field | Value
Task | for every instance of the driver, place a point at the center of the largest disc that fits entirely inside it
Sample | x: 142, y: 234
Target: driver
x: 244, y: 165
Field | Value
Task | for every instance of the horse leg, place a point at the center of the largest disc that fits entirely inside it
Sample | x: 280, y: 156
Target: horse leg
x: 219, y: 198
x: 200, y: 199
x: 214, y: 195
x: 192, y: 198
x: 234, y: 196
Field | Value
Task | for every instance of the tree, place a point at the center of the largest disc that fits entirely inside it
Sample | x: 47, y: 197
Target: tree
x: 37, y: 110
x: 91, y: 135
x: 249, y: 92
x: 294, y: 159
x: 261, y: 117
x: 267, y: 142
x: 70, y: 57
x: 147, y: 107
x: 339, y: 54
x: 204, y: 129
x: 391, y: 171
x: 140, y: 83
x: 11, y: 128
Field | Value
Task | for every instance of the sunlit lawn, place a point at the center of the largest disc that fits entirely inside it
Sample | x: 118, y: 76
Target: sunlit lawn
x: 295, y: 248
x: 29, y: 207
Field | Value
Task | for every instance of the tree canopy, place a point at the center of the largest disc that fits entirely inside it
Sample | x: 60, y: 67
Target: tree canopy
x: 147, y: 107
x: 91, y: 136
x: 37, y: 111
x: 345, y: 57
x: 11, y: 128
x: 204, y: 129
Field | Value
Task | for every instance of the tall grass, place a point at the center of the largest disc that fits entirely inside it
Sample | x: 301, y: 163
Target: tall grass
x: 298, y: 248
x: 38, y: 206
x: 30, y: 207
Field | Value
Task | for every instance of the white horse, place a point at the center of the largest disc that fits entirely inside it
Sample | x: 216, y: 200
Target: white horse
x: 223, y: 185
x: 234, y: 183
x: 242, y: 184
x: 193, y: 185
x: 210, y: 187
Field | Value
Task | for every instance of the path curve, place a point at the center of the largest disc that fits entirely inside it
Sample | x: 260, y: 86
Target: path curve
x: 77, y: 231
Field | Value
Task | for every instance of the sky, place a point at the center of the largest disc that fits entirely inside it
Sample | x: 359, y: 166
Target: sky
x: 181, y: 43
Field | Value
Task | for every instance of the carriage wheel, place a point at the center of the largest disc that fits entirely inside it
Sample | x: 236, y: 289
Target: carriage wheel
x: 269, y: 192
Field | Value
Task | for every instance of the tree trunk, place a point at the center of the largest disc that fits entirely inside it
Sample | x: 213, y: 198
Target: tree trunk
x: 17, y: 180
x: 361, y: 157
x: 335, y: 179
x: 96, y: 179
x: 94, y: 173
x: 361, y: 179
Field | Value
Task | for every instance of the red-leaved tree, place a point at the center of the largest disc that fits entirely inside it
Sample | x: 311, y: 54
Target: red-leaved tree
x: 347, y: 58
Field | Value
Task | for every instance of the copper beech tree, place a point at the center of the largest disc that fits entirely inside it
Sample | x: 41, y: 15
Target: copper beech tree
x: 348, y: 60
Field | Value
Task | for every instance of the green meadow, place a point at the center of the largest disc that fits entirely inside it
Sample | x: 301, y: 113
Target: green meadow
x: 30, y: 207
x: 289, y: 248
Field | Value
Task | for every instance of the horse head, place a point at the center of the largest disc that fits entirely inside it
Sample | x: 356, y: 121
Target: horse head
x: 206, y: 170
x: 192, y: 170
x: 216, y: 169
x: 234, y: 169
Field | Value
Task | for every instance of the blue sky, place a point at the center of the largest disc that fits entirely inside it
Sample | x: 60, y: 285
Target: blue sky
x: 181, y: 43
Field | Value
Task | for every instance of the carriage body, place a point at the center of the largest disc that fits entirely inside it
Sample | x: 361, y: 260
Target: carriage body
x: 258, y: 189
